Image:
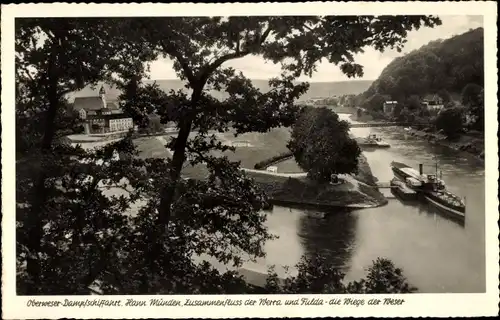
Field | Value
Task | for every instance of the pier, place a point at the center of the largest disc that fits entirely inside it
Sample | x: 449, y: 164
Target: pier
x: 385, y: 185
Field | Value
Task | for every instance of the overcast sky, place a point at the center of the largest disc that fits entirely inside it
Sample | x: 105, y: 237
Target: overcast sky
x: 373, y: 61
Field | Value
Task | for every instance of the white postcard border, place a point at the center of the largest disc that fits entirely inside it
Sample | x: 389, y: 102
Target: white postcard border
x: 439, y: 305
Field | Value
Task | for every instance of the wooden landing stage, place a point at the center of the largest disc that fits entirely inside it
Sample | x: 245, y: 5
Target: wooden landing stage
x: 385, y: 185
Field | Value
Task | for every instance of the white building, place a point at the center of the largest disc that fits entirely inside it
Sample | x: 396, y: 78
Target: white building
x: 272, y: 169
x: 100, y: 115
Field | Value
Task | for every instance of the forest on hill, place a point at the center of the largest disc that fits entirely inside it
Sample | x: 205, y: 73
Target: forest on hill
x: 451, y: 69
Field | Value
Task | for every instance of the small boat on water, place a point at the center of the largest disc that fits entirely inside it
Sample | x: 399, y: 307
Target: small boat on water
x: 431, y: 188
x: 373, y: 141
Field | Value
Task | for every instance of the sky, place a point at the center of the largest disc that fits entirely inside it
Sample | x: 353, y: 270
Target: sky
x: 374, y: 62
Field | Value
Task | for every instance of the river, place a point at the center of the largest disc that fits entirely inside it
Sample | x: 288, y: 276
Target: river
x: 437, y: 254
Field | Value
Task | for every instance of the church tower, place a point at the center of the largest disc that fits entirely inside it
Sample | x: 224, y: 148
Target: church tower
x: 102, y: 94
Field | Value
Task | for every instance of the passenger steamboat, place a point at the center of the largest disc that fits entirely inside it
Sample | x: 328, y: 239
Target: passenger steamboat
x: 431, y: 188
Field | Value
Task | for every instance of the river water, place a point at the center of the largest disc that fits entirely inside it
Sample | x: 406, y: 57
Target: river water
x: 437, y: 254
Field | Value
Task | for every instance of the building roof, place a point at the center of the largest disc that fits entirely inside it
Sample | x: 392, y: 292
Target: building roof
x: 93, y: 104
x: 88, y: 103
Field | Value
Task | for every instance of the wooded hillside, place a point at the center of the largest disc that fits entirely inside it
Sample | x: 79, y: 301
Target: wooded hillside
x: 449, y: 72
x: 440, y: 65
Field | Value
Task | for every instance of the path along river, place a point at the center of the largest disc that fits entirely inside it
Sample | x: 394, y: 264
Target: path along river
x: 436, y: 254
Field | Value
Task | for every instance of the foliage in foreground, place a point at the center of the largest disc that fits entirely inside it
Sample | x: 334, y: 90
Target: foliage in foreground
x: 316, y: 275
x: 141, y: 236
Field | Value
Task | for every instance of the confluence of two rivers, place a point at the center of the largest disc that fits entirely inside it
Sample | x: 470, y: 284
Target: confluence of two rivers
x: 436, y: 254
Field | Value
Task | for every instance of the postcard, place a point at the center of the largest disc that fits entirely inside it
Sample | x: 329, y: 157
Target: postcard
x: 316, y: 159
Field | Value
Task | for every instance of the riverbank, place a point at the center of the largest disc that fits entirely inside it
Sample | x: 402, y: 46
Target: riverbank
x: 469, y: 143
x: 289, y: 187
x: 465, y: 143
x: 294, y: 190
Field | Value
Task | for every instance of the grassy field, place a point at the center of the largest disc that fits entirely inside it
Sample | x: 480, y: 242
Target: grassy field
x: 304, y: 190
x: 151, y: 147
x: 289, y: 166
x: 261, y: 146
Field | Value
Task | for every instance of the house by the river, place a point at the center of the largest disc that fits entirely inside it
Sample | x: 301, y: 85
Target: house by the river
x: 389, y: 106
x: 100, y: 115
x: 433, y: 103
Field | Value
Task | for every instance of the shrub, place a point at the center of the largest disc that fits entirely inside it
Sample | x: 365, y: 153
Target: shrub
x: 267, y: 162
x: 451, y: 121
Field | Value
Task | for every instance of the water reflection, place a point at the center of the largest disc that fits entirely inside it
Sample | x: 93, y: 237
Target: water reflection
x: 331, y: 236
x: 437, y: 253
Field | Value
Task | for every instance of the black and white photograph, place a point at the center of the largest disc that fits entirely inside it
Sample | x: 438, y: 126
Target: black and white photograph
x: 287, y: 156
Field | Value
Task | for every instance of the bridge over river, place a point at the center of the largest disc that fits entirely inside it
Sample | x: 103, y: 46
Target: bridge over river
x: 380, y: 124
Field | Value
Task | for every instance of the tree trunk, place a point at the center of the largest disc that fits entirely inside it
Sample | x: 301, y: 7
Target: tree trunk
x: 178, y: 159
x: 35, y: 220
x: 168, y: 192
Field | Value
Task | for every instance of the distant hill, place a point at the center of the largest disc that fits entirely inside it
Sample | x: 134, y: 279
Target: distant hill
x: 440, y: 66
x: 316, y: 89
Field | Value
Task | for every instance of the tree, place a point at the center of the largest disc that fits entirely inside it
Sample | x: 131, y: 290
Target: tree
x: 316, y: 275
x: 154, y: 123
x: 444, y: 95
x: 200, y: 46
x: 414, y: 103
x: 359, y: 113
x: 382, y: 277
x: 152, y: 251
x: 398, y: 108
x: 471, y: 94
x: 451, y: 121
x: 473, y: 100
x: 321, y: 144
x: 442, y: 66
x: 375, y: 103
x: 54, y: 57
x: 406, y: 115
x: 479, y: 112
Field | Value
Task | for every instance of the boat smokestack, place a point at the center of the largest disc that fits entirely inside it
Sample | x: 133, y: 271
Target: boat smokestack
x: 421, y: 168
